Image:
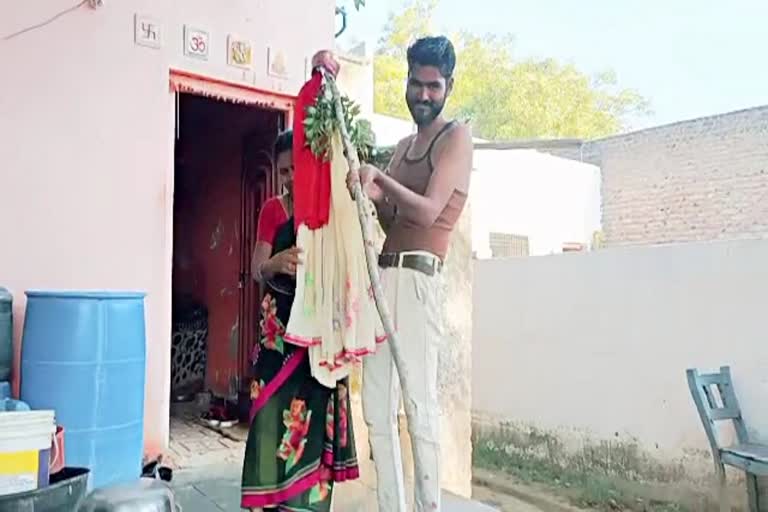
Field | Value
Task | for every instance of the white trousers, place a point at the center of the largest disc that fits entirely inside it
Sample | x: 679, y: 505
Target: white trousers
x: 415, y: 301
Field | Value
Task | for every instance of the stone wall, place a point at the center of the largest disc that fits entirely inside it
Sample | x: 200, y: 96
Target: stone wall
x: 705, y: 179
x: 455, y: 370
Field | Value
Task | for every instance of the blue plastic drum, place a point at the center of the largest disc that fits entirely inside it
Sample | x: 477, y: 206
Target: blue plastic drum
x: 83, y: 355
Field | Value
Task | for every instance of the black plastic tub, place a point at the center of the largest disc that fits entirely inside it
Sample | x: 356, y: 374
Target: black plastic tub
x: 67, y: 488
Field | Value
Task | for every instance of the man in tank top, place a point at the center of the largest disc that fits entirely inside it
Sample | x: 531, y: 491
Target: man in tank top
x: 419, y: 198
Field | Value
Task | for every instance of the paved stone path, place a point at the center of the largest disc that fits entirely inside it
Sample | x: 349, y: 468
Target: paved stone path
x: 207, y: 465
x: 194, y: 444
x: 217, y: 489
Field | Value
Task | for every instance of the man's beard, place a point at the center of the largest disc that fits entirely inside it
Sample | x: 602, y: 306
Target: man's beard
x: 424, y: 112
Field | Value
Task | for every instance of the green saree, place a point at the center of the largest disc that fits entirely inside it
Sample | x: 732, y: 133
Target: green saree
x: 300, y: 440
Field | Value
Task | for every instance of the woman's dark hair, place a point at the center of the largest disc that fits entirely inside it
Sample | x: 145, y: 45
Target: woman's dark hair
x: 284, y: 142
x: 433, y: 51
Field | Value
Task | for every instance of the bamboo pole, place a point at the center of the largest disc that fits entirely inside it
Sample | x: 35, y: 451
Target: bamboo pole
x: 360, y: 200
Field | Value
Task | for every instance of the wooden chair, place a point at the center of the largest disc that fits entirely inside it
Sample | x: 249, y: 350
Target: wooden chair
x: 750, y: 457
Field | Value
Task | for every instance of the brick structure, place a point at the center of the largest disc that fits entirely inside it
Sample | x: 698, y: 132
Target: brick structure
x: 507, y: 245
x: 705, y: 179
x: 698, y: 180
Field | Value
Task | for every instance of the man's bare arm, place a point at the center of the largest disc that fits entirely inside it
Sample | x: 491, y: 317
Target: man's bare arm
x: 385, y: 210
x: 452, y: 168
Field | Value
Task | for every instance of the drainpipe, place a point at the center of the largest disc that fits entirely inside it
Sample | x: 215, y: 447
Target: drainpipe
x: 343, y: 12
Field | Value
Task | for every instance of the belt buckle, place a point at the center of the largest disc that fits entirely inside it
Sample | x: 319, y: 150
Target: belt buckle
x: 430, y: 263
x: 436, y: 263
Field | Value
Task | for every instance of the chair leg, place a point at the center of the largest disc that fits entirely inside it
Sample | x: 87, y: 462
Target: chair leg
x: 722, y: 490
x: 752, y: 493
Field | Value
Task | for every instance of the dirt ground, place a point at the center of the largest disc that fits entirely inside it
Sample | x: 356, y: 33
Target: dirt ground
x: 507, y: 494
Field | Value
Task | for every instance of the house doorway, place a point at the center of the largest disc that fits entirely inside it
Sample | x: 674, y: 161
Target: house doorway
x: 223, y: 173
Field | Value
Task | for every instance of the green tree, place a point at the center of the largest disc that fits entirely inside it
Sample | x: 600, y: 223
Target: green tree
x: 503, y: 97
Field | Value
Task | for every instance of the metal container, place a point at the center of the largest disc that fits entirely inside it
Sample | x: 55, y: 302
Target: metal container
x: 65, y: 491
x: 146, y: 495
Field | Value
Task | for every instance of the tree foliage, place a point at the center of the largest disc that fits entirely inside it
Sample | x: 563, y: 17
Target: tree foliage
x: 505, y: 98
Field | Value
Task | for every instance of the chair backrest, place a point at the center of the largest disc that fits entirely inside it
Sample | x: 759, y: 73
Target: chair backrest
x: 716, y: 400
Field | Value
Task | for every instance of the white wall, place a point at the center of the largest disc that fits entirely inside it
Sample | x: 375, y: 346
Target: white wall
x: 390, y: 130
x: 356, y: 80
x: 550, y: 200
x: 597, y: 344
x: 86, y: 158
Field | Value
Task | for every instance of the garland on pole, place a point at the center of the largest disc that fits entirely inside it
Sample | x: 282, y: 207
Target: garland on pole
x: 333, y: 112
x: 321, y: 123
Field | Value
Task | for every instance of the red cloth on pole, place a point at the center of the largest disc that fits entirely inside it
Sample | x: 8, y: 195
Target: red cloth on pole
x: 312, y: 175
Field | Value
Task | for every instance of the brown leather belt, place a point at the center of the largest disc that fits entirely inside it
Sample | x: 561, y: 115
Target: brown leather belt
x: 429, y: 265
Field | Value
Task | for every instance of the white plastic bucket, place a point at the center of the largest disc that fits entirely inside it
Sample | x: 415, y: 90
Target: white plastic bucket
x: 25, y: 442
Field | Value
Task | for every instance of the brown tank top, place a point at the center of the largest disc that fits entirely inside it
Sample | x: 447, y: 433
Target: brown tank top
x: 415, y: 173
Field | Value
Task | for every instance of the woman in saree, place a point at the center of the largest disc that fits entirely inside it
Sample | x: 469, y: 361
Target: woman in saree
x: 300, y: 440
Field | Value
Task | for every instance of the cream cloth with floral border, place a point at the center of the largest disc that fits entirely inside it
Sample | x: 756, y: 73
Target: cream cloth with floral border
x: 334, y: 313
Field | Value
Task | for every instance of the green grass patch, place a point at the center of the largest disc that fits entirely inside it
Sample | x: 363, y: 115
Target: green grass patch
x: 606, y: 476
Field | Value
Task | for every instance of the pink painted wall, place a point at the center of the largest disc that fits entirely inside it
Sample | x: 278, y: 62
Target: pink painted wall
x: 87, y: 123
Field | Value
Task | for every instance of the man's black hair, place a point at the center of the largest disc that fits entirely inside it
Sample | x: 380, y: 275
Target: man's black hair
x: 284, y: 142
x: 433, y: 51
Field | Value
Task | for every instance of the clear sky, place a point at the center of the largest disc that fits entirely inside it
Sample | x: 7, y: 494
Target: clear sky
x: 691, y: 58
